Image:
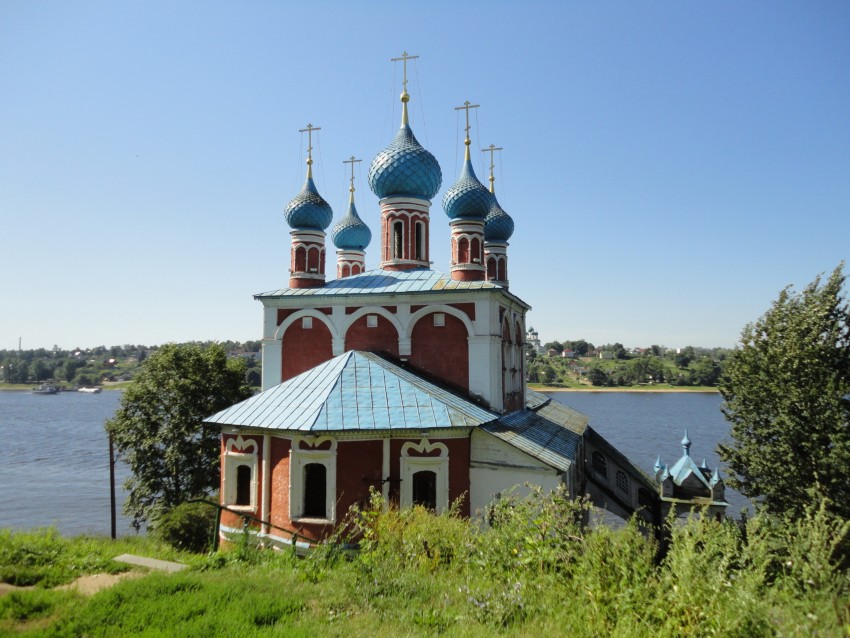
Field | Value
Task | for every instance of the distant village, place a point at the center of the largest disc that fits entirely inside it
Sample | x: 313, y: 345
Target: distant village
x: 555, y: 364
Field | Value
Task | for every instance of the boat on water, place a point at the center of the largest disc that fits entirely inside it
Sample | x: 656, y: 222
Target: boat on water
x: 90, y: 390
x: 45, y: 389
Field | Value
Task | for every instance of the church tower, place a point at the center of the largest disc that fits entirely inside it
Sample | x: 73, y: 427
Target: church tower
x: 351, y: 236
x: 467, y: 203
x: 308, y: 214
x: 405, y: 177
x: 498, y: 228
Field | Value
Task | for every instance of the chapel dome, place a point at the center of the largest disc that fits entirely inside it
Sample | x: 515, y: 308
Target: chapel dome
x: 467, y: 198
x: 498, y: 225
x: 405, y: 167
x: 350, y: 232
x: 308, y: 210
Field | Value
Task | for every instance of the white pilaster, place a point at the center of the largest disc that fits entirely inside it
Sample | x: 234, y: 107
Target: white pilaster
x: 272, y: 351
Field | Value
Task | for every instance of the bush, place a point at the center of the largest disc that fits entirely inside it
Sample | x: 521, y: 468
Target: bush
x: 188, y: 527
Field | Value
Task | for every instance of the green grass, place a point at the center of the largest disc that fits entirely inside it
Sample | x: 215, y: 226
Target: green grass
x: 536, y: 572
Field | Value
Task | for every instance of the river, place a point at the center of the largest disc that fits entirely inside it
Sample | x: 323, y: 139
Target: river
x: 54, y: 464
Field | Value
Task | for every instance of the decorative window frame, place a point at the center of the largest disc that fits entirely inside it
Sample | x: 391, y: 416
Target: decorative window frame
x: 298, y: 460
x: 410, y: 465
x: 236, y: 454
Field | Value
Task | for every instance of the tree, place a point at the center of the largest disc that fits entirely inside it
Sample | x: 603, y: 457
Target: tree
x: 787, y: 396
x: 158, y: 429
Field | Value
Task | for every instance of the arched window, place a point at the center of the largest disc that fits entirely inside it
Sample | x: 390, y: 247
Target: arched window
x: 463, y: 251
x: 599, y: 464
x: 420, y: 241
x: 398, y: 239
x: 346, y: 271
x: 300, y: 259
x: 491, y: 269
x: 425, y: 489
x: 475, y: 250
x: 315, y: 490
x: 622, y: 481
x: 313, y: 259
x: 503, y: 270
x: 243, y: 485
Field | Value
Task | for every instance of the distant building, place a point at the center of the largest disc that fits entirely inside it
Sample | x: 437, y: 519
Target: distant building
x: 533, y: 339
x: 687, y: 487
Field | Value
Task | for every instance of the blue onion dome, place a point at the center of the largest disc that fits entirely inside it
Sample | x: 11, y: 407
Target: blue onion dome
x: 350, y: 232
x: 498, y: 225
x: 405, y: 168
x: 467, y: 198
x: 308, y: 210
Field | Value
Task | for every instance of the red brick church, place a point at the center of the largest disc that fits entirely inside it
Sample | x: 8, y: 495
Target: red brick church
x: 402, y: 379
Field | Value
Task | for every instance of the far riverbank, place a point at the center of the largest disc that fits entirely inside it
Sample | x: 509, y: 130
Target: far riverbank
x: 538, y: 387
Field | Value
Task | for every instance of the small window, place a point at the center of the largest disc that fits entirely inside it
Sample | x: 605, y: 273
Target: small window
x: 371, y: 321
x: 398, y: 239
x: 315, y: 490
x: 307, y: 323
x: 425, y: 489
x: 243, y: 485
x: 622, y: 481
x: 439, y: 319
x: 599, y: 464
x: 420, y: 241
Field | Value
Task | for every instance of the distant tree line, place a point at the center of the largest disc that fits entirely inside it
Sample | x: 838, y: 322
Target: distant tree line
x: 81, y: 367
x: 581, y: 362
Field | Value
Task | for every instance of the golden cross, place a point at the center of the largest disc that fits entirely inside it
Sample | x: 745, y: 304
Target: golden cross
x: 404, y: 58
x: 466, y: 106
x: 492, y: 150
x: 352, y: 161
x: 309, y: 130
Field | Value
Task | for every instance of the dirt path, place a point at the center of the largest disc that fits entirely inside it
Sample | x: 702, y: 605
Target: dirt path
x: 86, y: 585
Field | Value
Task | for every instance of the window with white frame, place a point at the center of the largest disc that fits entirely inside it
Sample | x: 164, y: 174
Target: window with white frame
x: 240, y: 473
x: 425, y: 479
x: 312, y: 479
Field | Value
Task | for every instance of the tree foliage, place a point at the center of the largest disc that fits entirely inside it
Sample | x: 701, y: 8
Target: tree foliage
x: 158, y: 429
x: 787, y: 396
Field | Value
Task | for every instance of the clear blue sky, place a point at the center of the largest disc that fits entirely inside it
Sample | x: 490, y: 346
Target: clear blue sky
x: 670, y: 166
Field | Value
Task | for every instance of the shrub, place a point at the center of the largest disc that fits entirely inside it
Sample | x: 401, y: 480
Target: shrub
x: 188, y: 527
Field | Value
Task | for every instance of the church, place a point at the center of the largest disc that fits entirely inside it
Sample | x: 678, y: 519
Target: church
x: 403, y: 379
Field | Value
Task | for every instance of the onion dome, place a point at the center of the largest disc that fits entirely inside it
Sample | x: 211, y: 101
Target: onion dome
x: 308, y: 210
x: 467, y: 198
x: 498, y: 225
x: 405, y: 167
x: 350, y: 232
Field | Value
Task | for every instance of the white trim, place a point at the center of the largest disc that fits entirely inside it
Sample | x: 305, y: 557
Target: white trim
x: 298, y: 460
x: 307, y: 312
x: 236, y: 455
x: 410, y: 465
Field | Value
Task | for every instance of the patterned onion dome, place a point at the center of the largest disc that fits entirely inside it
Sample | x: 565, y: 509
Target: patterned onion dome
x: 405, y: 168
x: 307, y: 210
x: 498, y: 226
x: 467, y: 198
x: 350, y: 232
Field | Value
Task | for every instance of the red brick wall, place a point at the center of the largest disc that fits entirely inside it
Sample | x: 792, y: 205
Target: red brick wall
x: 383, y: 338
x: 304, y: 349
x: 441, y: 351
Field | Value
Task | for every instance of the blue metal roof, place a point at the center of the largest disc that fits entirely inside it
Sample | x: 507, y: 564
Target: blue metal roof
x: 308, y: 210
x: 467, y: 198
x: 405, y: 168
x: 353, y: 392
x: 380, y: 281
x: 551, y: 434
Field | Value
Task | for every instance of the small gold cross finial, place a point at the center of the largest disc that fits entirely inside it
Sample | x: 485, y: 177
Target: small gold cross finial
x: 404, y: 58
x: 352, y: 161
x: 492, y: 150
x: 309, y: 130
x: 405, y: 98
x: 466, y: 106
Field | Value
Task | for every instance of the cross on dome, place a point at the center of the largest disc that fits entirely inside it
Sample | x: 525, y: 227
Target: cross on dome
x: 309, y: 130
